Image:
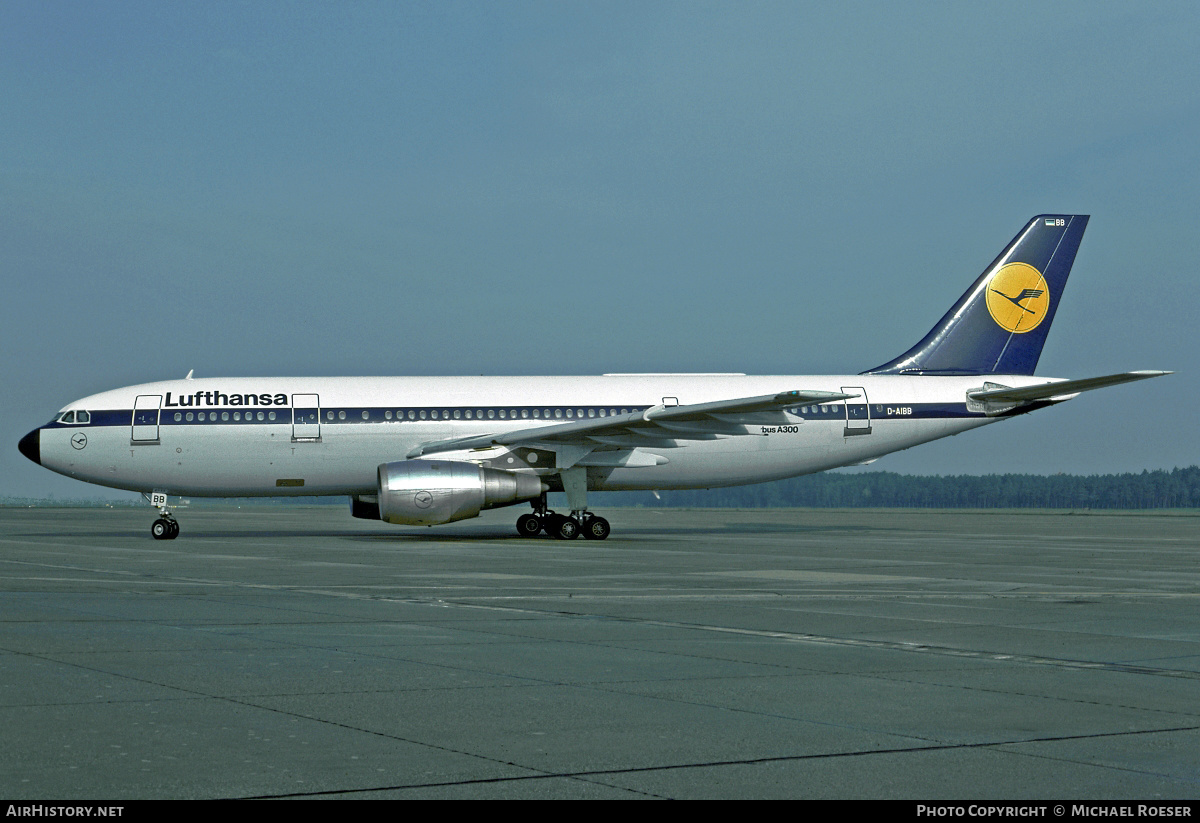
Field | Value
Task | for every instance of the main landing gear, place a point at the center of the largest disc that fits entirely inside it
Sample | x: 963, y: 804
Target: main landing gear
x: 165, y: 527
x: 563, y: 527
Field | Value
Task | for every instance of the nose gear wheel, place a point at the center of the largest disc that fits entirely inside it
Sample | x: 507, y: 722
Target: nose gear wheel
x: 165, y: 527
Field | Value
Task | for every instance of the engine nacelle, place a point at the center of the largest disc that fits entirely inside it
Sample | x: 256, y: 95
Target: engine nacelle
x: 429, y: 492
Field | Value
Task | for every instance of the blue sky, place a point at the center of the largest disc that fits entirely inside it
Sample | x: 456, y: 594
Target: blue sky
x: 575, y: 188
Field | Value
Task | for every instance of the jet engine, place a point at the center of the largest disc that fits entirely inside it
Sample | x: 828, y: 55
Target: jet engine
x: 429, y: 492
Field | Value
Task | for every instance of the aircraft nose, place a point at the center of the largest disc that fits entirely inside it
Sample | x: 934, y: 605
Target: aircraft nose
x: 31, y: 446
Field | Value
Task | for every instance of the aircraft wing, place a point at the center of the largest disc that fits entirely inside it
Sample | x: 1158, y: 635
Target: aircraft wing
x: 659, y: 426
x: 1061, y: 388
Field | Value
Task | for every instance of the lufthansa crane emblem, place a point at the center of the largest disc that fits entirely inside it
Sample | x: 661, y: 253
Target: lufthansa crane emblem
x: 423, y: 500
x: 79, y: 440
x: 1018, y: 297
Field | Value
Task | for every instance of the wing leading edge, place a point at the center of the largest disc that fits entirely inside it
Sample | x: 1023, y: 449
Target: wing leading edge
x: 658, y: 426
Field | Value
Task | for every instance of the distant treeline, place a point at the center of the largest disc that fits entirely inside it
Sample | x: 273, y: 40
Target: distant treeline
x: 1175, y: 489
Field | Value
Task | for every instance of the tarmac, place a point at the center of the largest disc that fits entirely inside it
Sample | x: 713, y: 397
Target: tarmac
x: 293, y: 652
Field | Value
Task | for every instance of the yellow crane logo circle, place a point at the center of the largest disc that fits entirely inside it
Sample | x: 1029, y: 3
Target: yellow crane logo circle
x: 1018, y: 297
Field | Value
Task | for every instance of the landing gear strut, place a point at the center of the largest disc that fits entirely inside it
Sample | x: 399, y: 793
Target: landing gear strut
x: 563, y: 527
x: 165, y: 527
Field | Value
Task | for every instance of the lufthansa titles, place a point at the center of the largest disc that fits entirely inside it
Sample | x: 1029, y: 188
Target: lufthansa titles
x: 216, y: 398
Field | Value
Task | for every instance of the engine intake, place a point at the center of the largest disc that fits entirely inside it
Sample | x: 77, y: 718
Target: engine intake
x: 430, y: 492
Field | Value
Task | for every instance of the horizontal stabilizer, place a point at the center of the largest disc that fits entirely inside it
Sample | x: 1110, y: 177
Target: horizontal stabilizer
x: 1061, y: 388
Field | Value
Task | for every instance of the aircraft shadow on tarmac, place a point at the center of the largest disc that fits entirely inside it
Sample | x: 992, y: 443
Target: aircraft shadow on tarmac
x: 442, y: 536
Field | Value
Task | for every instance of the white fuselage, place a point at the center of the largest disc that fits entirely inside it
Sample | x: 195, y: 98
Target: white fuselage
x: 292, y: 436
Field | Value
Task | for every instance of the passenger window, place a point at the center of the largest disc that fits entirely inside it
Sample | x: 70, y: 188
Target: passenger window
x: 558, y: 413
x: 524, y: 414
x: 366, y: 416
x: 225, y: 415
x: 189, y: 417
x: 491, y: 414
x: 262, y: 416
x: 422, y: 414
x: 458, y: 414
x: 178, y: 417
x: 237, y: 415
x: 341, y: 415
x: 502, y: 414
x: 591, y: 412
x: 328, y: 415
x: 270, y: 415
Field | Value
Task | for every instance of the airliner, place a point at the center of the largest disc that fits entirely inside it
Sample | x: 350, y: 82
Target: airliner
x: 424, y: 451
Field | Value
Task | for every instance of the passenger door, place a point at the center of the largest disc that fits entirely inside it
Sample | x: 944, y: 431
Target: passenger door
x: 145, y: 419
x: 858, y: 411
x: 306, y: 418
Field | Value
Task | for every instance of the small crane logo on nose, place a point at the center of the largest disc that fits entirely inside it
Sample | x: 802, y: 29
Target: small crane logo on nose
x: 79, y: 440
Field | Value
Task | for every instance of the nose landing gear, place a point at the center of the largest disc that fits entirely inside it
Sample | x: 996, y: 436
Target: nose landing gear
x: 165, y: 527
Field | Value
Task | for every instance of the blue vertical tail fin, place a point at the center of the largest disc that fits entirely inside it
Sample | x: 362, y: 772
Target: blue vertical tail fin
x: 1000, y: 324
